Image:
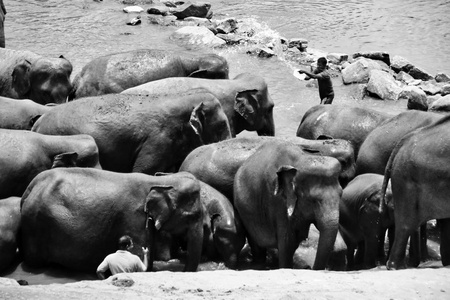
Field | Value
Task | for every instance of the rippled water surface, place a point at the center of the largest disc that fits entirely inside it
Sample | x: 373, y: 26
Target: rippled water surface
x: 83, y: 29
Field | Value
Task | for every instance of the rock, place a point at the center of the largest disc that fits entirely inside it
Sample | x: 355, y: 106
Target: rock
x: 162, y: 20
x: 445, y: 90
x: 430, y: 87
x: 199, y: 21
x: 134, y: 21
x: 375, y: 55
x: 129, y: 2
x: 133, y: 9
x: 432, y: 99
x: 169, y: 3
x: 383, y: 85
x: 232, y: 39
x: 337, y: 58
x: 299, y: 43
x: 417, y: 99
x: 399, y: 63
x: 226, y: 26
x: 159, y: 10
x: 441, y: 104
x: 441, y: 77
x: 265, y: 52
x: 359, y: 70
x: 188, y: 9
x: 418, y: 73
x: 197, y: 35
x: 406, y: 78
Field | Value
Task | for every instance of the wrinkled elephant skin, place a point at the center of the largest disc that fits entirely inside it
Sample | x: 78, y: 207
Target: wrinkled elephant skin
x: 217, y: 164
x: 362, y: 226
x: 86, y: 210
x: 116, y: 72
x: 38, y: 153
x: 139, y: 133
x: 340, y: 122
x: 279, y: 200
x: 245, y: 99
x: 419, y: 173
x: 26, y: 75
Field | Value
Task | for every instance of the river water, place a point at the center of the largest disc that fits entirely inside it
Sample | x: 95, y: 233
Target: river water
x: 81, y: 30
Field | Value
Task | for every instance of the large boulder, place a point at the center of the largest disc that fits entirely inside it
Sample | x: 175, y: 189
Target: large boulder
x: 417, y: 99
x: 359, y: 71
x: 442, y: 104
x: 197, y: 35
x: 383, y: 85
x: 189, y: 9
x: 431, y: 87
x: 375, y: 55
x: 399, y: 63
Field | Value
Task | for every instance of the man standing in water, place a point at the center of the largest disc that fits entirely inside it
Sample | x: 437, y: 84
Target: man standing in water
x: 2, y: 22
x: 326, y: 91
x: 123, y: 261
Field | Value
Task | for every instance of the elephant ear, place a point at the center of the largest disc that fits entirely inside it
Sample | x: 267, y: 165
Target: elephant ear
x: 197, y: 120
x: 65, y: 160
x: 159, y: 204
x: 285, y: 187
x: 21, y: 78
x: 246, y: 104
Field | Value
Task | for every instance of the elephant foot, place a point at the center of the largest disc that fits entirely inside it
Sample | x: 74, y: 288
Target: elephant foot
x: 392, y: 265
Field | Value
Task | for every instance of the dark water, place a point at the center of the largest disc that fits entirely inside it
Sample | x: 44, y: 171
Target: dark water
x: 83, y: 29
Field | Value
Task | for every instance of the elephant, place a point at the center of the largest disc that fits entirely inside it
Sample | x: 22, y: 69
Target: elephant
x: 24, y: 154
x: 419, y: 174
x: 9, y: 228
x: 361, y: 224
x: 217, y: 164
x: 340, y: 122
x: 20, y: 114
x: 245, y: 99
x: 86, y: 210
x: 116, y: 72
x: 139, y: 133
x: 27, y: 75
x: 223, y: 234
x: 377, y: 147
x: 226, y: 236
x: 280, y: 198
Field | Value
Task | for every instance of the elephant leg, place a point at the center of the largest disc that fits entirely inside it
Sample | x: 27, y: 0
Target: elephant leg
x: 414, y: 249
x: 359, y: 255
x: 381, y: 254
x: 194, y: 247
x: 444, y: 225
x: 423, y: 242
x: 371, y: 246
x: 286, y: 248
x: 391, y: 237
x: 350, y: 258
x: 398, y: 251
x: 259, y: 254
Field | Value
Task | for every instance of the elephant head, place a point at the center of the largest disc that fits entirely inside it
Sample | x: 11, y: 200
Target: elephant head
x: 209, y: 122
x: 311, y: 197
x: 46, y: 80
x: 254, y: 106
x: 169, y: 211
x: 210, y: 66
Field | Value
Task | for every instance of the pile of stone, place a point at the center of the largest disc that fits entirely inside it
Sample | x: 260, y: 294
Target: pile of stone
x: 378, y: 74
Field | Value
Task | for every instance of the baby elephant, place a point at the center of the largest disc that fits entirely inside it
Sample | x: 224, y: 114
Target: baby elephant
x: 361, y: 225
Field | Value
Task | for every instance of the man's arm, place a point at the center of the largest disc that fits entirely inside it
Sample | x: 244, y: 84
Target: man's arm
x: 101, y: 269
x: 145, y: 250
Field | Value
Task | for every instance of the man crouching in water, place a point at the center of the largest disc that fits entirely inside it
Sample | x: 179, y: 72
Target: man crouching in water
x: 123, y: 261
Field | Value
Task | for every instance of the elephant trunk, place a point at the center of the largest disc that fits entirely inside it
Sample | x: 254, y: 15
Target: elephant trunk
x: 328, y: 225
x: 268, y: 129
x: 152, y: 237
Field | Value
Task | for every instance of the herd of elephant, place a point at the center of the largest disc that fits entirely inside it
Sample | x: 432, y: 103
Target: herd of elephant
x: 144, y: 143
